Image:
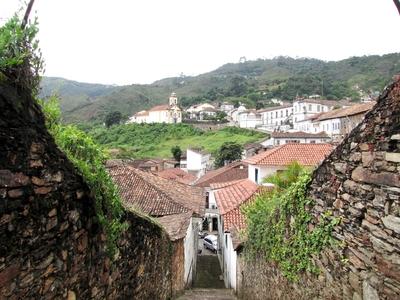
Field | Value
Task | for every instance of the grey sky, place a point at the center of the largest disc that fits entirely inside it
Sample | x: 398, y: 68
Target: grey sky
x: 124, y: 42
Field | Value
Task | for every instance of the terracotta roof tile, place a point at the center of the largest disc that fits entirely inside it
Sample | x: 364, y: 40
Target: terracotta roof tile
x: 231, y: 196
x: 155, y: 195
x: 233, y: 171
x: 220, y: 185
x: 177, y: 174
x: 176, y: 225
x: 160, y: 107
x: 305, y: 154
x: 347, y: 111
x: 231, y: 199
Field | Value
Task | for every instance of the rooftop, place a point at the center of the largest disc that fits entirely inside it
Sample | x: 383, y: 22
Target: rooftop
x: 155, y: 195
x: 347, y: 111
x: 233, y: 171
x: 176, y: 225
x: 299, y: 134
x: 275, y: 108
x: 230, y: 199
x: 305, y: 154
x: 178, y: 175
x: 231, y: 196
x: 160, y: 107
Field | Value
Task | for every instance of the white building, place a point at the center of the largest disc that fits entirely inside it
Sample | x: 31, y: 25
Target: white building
x: 269, y: 162
x: 276, y: 118
x: 226, y: 107
x: 249, y: 119
x: 299, y: 137
x: 195, y: 111
x: 306, y: 108
x: 197, y: 161
x: 234, y: 114
x: 338, y: 122
x: 166, y: 113
x: 229, y: 197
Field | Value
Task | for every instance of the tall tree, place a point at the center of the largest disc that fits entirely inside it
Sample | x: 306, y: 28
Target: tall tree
x: 113, y: 118
x: 176, y: 153
x: 227, y: 153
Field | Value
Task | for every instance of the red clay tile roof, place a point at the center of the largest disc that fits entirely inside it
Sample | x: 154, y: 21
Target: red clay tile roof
x: 155, y: 195
x: 299, y: 134
x: 231, y: 196
x: 176, y: 225
x: 347, y: 111
x: 305, y: 154
x: 230, y: 172
x: 160, y: 107
x: 230, y: 200
x: 220, y: 185
x: 177, y: 174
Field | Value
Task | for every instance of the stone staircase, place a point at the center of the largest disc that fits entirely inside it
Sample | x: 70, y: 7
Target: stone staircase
x: 208, y: 294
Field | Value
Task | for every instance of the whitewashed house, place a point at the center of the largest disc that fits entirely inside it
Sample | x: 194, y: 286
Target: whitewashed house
x: 165, y: 113
x: 276, y: 118
x: 277, y: 159
x: 250, y: 119
x: 234, y: 114
x: 299, y: 137
x: 338, y: 122
x: 232, y: 172
x: 229, y: 197
x: 195, y: 111
x: 197, y: 161
x: 226, y: 107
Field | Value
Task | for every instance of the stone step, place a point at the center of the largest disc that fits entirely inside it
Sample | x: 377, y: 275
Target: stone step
x: 208, y: 294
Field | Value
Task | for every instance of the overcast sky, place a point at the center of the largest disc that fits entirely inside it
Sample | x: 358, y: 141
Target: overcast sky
x: 126, y: 41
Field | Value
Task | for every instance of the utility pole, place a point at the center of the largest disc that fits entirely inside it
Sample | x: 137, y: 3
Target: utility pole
x: 397, y: 3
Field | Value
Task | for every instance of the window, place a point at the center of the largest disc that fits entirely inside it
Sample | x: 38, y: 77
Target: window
x: 287, y: 113
x: 304, y: 108
x: 226, y: 240
x: 256, y: 175
x: 276, y: 114
x: 310, y: 107
x: 312, y: 142
x: 292, y: 141
x: 281, y: 113
x: 278, y: 142
x: 318, y: 108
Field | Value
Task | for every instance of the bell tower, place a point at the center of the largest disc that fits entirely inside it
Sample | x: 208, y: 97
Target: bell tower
x: 173, y: 100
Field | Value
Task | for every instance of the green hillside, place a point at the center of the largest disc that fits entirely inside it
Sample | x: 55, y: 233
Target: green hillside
x: 251, y: 82
x: 156, y: 140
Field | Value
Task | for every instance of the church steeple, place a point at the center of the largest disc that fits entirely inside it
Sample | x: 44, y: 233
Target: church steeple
x: 173, y: 100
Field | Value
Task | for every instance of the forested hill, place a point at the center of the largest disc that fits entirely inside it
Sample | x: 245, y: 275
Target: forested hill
x: 251, y: 82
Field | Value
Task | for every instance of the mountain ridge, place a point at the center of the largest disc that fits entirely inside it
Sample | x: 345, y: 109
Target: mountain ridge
x: 250, y: 82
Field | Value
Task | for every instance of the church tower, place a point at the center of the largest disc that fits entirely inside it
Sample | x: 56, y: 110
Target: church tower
x: 173, y: 100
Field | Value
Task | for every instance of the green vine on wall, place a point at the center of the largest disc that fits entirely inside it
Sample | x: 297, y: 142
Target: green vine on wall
x: 89, y: 159
x: 278, y: 228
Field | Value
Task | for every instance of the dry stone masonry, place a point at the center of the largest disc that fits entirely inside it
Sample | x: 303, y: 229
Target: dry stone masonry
x: 51, y: 246
x: 359, y: 182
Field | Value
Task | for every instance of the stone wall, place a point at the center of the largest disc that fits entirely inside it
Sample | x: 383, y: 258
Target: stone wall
x: 50, y: 244
x: 359, y: 182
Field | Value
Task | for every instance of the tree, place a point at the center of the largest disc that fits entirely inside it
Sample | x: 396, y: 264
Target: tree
x: 113, y: 118
x: 176, y: 153
x: 220, y: 116
x: 283, y: 180
x: 227, y: 153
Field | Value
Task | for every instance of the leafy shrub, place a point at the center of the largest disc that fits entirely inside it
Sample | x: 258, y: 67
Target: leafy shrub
x: 20, y: 57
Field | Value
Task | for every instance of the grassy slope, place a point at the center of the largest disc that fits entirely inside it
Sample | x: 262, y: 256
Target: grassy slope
x: 156, y: 140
